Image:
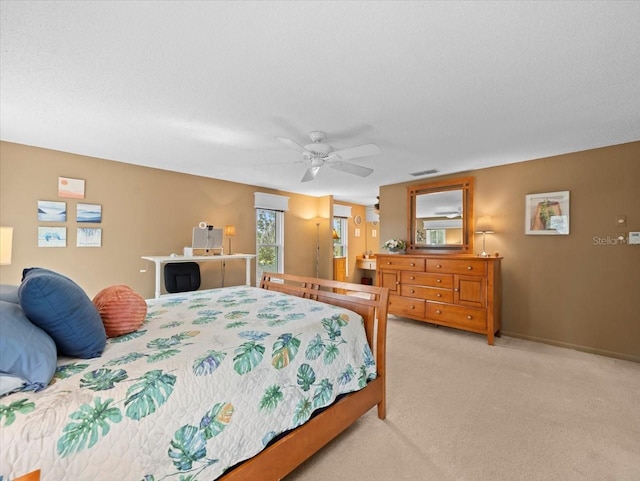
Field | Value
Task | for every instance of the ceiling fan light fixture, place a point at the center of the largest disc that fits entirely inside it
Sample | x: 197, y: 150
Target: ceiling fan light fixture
x: 319, y: 153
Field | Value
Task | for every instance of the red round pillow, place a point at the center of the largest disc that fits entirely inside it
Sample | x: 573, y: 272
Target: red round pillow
x: 122, y: 309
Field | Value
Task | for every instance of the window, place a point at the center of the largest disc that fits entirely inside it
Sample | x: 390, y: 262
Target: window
x: 269, y: 242
x: 435, y: 236
x: 339, y: 237
x: 270, y: 211
x: 341, y: 214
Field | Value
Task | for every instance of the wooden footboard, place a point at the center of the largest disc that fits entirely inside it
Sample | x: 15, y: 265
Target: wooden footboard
x: 283, y: 456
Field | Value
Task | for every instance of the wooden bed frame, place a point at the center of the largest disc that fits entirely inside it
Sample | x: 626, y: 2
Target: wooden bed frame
x: 283, y: 456
x: 291, y: 450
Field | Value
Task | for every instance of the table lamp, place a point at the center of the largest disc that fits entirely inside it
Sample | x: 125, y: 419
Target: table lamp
x: 6, y: 242
x: 230, y: 231
x: 484, y: 226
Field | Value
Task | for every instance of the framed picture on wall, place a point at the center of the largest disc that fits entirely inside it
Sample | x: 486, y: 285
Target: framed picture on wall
x: 89, y: 237
x: 52, y: 237
x: 52, y: 211
x: 89, y: 213
x: 71, y: 188
x: 547, y: 213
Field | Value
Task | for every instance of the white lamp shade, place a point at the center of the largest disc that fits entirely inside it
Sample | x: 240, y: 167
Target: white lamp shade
x: 6, y: 243
x: 230, y: 230
x: 484, y: 225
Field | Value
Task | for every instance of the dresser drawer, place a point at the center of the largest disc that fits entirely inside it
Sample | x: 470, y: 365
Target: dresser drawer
x: 428, y: 293
x: 444, y: 281
x: 471, y: 267
x: 402, y: 262
x: 406, y: 306
x: 457, y: 316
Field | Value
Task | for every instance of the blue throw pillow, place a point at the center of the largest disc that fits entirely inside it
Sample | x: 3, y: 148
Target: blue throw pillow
x: 64, y: 311
x: 26, y: 351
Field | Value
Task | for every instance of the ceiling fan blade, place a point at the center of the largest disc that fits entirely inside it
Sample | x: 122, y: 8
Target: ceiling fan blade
x: 310, y: 174
x: 292, y: 144
x: 351, y: 168
x: 358, y: 151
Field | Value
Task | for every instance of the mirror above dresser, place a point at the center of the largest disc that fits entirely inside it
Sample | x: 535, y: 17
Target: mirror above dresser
x: 441, y: 217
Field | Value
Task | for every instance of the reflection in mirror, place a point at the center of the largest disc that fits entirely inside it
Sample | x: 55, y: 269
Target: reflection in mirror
x: 439, y: 218
x: 441, y: 214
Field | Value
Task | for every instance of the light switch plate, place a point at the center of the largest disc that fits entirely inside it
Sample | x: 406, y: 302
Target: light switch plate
x: 634, y: 238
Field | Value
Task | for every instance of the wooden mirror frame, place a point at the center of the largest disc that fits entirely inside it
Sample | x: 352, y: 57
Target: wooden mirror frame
x: 466, y: 185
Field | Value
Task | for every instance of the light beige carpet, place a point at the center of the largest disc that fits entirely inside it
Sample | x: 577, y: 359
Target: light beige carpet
x: 459, y: 409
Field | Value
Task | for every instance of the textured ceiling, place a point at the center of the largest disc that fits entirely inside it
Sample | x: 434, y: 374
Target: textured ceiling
x: 205, y: 87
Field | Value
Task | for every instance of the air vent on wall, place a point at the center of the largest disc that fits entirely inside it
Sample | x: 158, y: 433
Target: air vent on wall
x: 424, y: 172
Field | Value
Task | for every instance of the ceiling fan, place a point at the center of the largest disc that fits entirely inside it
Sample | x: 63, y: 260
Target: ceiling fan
x: 450, y: 214
x: 319, y: 153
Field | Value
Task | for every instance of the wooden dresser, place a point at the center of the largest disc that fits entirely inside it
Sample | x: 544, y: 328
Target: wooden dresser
x: 460, y: 291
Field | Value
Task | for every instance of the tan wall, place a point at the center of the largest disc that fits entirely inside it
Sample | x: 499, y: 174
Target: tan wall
x: 564, y: 290
x: 144, y: 212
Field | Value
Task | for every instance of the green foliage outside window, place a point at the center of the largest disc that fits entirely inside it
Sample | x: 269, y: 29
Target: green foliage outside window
x: 266, y: 232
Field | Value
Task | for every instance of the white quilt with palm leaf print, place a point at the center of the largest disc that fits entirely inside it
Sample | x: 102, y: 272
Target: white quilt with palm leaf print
x: 208, y: 380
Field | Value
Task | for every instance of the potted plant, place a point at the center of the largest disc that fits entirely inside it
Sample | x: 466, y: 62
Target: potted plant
x: 545, y: 214
x: 395, y: 246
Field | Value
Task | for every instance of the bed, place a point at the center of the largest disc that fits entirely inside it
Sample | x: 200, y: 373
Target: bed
x: 239, y: 383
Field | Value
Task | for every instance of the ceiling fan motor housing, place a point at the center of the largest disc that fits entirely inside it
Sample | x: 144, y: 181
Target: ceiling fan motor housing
x: 319, y: 148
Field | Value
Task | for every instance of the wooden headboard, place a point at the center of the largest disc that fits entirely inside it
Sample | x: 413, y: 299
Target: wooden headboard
x: 370, y: 302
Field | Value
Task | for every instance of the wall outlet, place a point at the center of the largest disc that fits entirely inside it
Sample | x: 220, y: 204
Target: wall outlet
x: 634, y: 238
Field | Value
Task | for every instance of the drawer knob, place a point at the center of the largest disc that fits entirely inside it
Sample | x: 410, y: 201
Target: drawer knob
x: 388, y: 263
x: 397, y: 283
x: 456, y: 289
x: 438, y: 311
x: 438, y: 295
x: 412, y: 307
x: 412, y: 264
x: 469, y: 317
x: 411, y: 277
x: 469, y: 268
x: 438, y: 266
x: 412, y: 291
x: 438, y: 280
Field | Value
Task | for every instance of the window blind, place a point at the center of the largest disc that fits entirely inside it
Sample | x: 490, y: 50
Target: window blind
x: 341, y: 210
x: 271, y: 201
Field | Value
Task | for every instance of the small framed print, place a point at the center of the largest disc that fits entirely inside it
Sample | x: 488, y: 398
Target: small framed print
x: 89, y: 213
x: 70, y: 188
x: 89, y: 237
x: 52, y: 211
x: 547, y: 213
x: 52, y: 237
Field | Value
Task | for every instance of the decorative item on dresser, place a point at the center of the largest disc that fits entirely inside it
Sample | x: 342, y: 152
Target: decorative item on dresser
x: 484, y: 226
x: 459, y: 291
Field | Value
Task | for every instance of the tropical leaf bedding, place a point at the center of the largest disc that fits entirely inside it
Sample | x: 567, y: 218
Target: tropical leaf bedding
x: 206, y: 382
